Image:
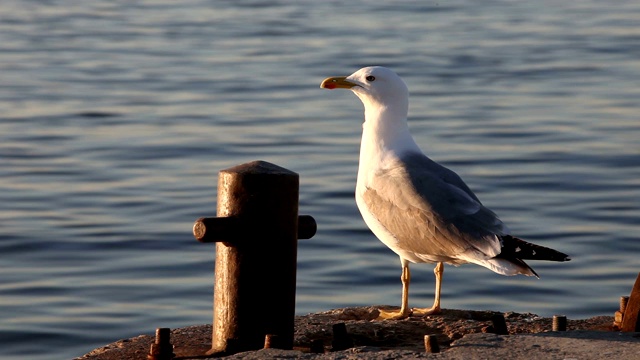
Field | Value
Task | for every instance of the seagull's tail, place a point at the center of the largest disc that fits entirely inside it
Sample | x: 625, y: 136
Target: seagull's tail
x: 511, y: 260
x: 514, y: 251
x: 514, y: 248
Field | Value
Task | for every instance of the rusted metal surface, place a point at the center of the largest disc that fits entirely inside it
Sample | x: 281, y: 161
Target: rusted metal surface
x: 162, y: 349
x: 256, y: 232
x: 630, y: 319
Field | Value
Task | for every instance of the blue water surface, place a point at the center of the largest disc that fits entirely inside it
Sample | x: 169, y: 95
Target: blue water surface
x: 116, y: 116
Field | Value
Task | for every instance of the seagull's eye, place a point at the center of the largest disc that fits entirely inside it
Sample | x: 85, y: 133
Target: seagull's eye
x: 370, y: 78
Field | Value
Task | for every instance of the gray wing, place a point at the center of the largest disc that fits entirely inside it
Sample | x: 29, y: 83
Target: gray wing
x: 431, y: 211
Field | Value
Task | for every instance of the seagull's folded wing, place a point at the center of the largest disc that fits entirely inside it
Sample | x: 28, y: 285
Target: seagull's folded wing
x: 431, y: 212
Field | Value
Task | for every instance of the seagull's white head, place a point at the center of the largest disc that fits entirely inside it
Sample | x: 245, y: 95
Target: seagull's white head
x: 381, y: 90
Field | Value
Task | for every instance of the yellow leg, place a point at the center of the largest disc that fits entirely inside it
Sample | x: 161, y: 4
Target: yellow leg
x: 435, y: 309
x: 404, y: 311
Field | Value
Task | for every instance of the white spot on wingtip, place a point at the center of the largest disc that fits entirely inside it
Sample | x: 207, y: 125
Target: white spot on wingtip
x: 518, y: 249
x: 533, y: 252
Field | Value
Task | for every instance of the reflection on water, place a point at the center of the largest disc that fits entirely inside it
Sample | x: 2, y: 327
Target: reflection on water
x: 117, y: 116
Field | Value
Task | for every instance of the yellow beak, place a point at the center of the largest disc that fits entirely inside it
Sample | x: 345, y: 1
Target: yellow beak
x: 337, y: 82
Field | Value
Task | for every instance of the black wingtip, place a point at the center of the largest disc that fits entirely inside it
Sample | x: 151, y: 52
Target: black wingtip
x: 512, y: 247
x: 534, y: 273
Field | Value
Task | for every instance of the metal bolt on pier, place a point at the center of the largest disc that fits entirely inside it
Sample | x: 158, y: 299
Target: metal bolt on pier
x: 499, y: 324
x: 162, y: 349
x: 559, y: 323
x: 431, y: 344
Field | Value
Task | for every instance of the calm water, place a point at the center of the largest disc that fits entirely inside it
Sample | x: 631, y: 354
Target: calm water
x: 115, y: 117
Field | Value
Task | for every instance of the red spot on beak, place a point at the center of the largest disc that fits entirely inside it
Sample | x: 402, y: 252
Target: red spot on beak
x: 330, y: 86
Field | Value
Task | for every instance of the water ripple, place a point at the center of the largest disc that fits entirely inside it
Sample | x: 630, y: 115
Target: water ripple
x: 117, y: 117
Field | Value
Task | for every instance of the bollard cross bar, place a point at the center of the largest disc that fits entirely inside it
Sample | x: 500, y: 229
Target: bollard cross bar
x: 229, y: 229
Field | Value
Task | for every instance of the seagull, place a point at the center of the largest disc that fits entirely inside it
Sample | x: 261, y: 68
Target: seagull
x: 421, y: 210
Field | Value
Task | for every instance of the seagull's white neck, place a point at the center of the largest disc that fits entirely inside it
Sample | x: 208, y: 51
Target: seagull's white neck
x: 385, y: 136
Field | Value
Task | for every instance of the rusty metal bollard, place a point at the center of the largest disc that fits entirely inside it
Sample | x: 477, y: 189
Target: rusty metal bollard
x: 631, y: 316
x: 256, y: 233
